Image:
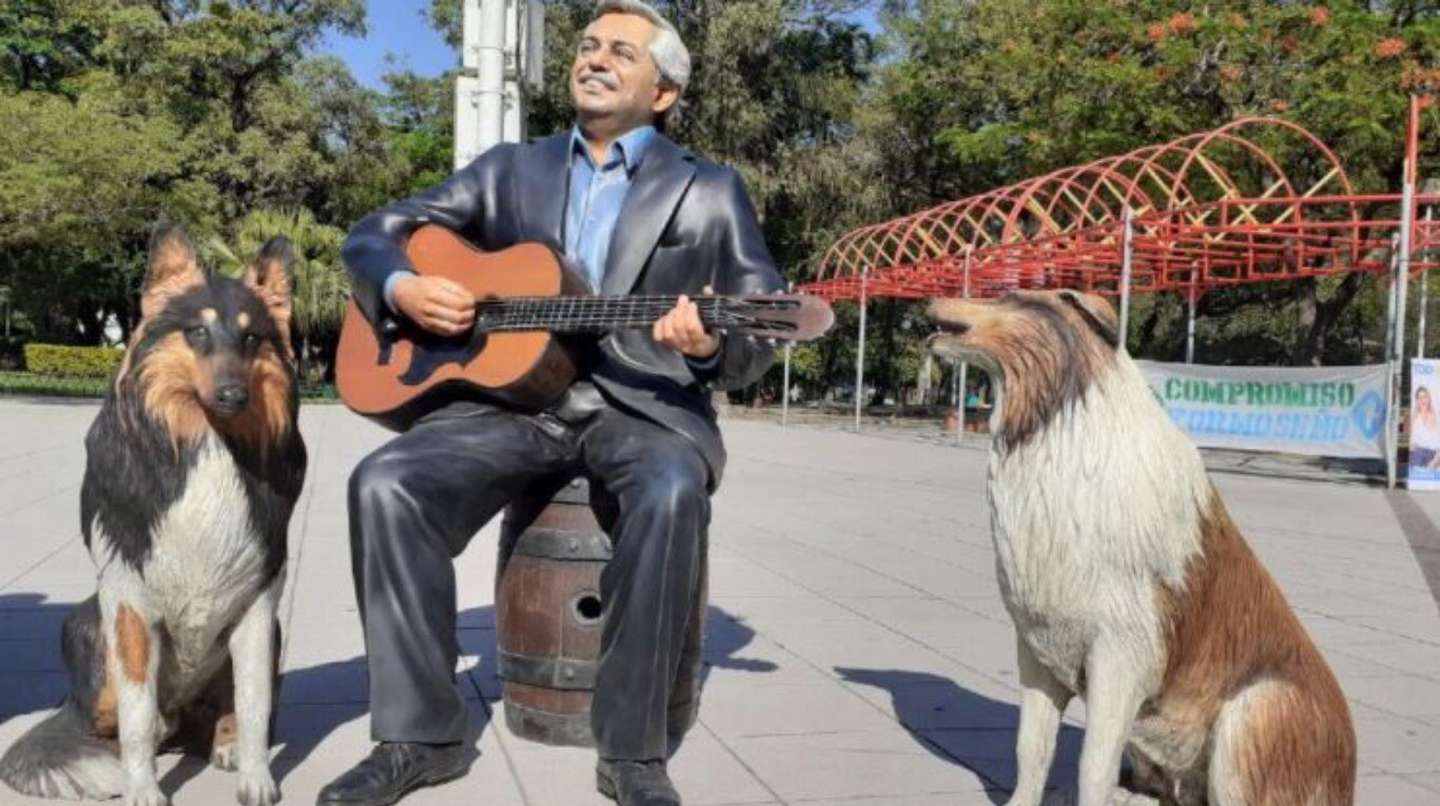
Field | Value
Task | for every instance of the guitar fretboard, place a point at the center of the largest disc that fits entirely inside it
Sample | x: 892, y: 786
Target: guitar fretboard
x: 598, y: 314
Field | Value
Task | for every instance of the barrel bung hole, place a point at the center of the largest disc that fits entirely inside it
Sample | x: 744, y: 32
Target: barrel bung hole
x: 588, y: 608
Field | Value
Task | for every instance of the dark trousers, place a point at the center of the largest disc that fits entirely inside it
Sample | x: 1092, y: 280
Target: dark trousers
x: 415, y: 504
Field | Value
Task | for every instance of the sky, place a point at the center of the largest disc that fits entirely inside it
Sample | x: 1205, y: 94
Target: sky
x: 397, y: 29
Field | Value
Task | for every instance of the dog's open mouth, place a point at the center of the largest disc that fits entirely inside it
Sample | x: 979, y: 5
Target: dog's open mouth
x: 953, y: 340
x: 951, y: 327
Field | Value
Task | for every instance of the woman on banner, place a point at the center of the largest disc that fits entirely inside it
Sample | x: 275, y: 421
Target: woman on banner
x: 1424, y: 431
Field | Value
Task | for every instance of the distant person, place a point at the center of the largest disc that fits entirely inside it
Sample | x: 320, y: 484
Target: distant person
x: 1424, y: 432
x: 972, y: 409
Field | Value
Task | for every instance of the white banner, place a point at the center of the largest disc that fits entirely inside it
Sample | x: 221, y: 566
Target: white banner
x: 1424, y: 425
x: 1321, y: 411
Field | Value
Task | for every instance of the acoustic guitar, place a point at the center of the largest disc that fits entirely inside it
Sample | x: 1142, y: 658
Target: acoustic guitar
x: 517, y: 354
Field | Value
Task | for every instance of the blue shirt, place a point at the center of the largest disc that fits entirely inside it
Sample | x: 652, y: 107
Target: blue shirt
x: 596, y: 194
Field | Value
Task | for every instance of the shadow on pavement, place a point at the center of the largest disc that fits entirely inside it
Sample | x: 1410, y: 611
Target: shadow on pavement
x: 32, y: 673
x: 725, y: 636
x: 963, y: 727
x: 317, y: 700
x: 313, y: 701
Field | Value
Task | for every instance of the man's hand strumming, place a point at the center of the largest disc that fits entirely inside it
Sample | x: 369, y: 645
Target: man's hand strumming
x: 436, y: 304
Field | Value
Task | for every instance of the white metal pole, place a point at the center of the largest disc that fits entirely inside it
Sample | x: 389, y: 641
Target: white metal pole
x: 1391, y: 439
x: 1424, y: 297
x: 491, y: 64
x: 1125, y: 259
x: 926, y: 380
x: 785, y: 384
x: 964, y: 367
x: 1407, y: 219
x: 1397, y: 368
x: 1190, y: 330
x: 1390, y: 300
x: 785, y: 391
x: 860, y: 354
x: 1392, y: 386
x: 1420, y: 327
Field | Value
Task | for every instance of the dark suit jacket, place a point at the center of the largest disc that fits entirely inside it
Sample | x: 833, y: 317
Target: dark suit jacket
x: 685, y: 224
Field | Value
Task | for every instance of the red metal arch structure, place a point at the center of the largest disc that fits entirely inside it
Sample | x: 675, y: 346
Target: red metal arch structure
x: 1256, y: 200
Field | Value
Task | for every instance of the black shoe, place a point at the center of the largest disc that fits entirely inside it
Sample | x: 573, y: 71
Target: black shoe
x: 636, y: 783
x: 393, y: 770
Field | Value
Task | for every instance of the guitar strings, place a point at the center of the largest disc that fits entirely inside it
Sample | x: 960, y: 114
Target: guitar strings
x: 591, y: 313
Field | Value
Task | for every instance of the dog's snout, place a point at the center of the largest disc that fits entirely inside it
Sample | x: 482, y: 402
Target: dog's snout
x: 950, y: 316
x: 233, y: 396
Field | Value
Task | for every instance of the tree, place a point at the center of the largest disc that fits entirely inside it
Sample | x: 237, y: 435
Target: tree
x: 74, y: 210
x: 120, y: 114
x: 321, y: 284
x: 1012, y: 91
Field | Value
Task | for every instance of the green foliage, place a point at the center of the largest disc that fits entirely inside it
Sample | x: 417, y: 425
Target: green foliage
x: 981, y: 93
x: 25, y: 383
x: 418, y: 114
x: 120, y: 114
x: 75, y: 362
x: 29, y: 383
x: 46, y: 42
x: 322, y: 286
x: 218, y: 115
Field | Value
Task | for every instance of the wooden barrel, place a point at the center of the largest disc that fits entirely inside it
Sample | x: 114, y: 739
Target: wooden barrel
x: 549, y: 616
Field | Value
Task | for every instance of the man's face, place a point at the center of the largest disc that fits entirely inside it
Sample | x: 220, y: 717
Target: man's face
x: 614, y: 76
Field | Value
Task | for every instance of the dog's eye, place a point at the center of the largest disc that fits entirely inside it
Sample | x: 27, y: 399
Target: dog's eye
x: 251, y: 341
x: 198, y: 335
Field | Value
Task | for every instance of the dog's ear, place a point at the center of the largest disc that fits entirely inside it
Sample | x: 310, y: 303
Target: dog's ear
x: 272, y: 277
x: 1097, y: 313
x: 171, y: 270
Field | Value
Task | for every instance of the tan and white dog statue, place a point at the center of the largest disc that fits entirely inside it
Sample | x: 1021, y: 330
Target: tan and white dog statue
x: 1130, y: 585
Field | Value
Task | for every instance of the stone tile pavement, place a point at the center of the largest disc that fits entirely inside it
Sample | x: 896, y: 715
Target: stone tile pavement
x: 858, y: 652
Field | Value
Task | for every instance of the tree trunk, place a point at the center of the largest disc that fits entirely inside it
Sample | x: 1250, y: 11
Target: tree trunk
x: 1148, y: 327
x: 91, y: 321
x: 885, y: 369
x: 1318, y: 316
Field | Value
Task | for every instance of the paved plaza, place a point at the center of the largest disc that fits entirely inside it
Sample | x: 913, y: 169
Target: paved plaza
x: 857, y: 653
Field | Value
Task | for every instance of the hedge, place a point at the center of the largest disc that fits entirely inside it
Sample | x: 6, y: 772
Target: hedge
x: 27, y: 384
x: 30, y: 384
x: 72, y: 362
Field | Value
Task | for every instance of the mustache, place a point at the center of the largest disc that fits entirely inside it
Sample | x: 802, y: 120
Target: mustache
x: 607, y: 79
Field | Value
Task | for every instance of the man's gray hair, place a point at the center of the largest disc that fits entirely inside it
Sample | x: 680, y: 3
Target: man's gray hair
x: 671, y: 56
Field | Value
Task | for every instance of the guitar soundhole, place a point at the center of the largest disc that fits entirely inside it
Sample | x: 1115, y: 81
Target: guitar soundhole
x: 427, y: 357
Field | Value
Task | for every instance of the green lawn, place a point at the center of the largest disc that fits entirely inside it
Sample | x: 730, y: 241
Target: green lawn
x: 30, y: 384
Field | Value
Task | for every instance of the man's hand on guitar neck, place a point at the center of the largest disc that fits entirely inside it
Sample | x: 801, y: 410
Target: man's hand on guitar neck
x: 680, y: 329
x: 436, y: 304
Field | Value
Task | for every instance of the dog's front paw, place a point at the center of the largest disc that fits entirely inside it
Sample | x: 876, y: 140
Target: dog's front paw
x: 223, y: 756
x: 148, y: 795
x: 257, y: 788
x: 1069, y: 796
x: 1124, y: 797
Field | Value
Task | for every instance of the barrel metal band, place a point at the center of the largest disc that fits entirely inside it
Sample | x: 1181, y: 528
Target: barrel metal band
x: 560, y: 673
x: 572, y: 730
x: 563, y: 544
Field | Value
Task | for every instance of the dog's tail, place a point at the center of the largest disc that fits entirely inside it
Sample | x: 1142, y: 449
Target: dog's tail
x: 60, y: 758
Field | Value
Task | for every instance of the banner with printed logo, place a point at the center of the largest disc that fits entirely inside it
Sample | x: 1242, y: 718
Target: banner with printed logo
x: 1423, y: 427
x: 1320, y: 411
